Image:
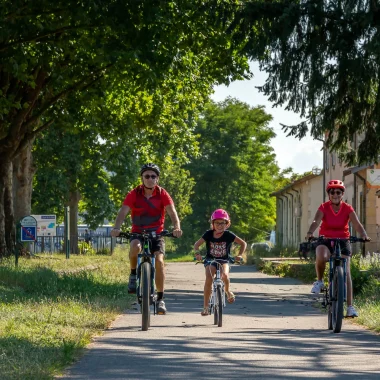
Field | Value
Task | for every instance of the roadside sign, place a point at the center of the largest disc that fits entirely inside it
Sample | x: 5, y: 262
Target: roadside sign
x: 373, y: 177
x: 28, y: 226
x: 46, y: 225
x: 28, y: 233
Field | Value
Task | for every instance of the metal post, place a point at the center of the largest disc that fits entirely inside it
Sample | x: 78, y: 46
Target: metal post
x: 18, y: 240
x: 67, y: 231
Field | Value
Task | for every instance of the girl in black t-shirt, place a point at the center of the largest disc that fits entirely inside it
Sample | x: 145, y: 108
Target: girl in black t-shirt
x: 218, y: 245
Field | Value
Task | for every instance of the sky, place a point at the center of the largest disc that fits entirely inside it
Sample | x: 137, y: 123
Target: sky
x: 301, y: 155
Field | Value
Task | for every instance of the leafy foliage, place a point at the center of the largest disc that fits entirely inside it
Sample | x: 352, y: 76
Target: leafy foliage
x: 234, y: 170
x: 322, y: 58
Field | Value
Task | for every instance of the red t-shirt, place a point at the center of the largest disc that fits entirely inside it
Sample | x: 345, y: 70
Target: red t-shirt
x: 335, y: 225
x: 148, y: 213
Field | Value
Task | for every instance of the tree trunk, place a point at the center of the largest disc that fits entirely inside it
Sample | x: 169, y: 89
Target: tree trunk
x: 73, y: 203
x: 7, y: 228
x: 23, y: 172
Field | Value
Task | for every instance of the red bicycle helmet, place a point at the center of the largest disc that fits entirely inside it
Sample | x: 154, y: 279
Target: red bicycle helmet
x: 220, y: 214
x: 335, y: 184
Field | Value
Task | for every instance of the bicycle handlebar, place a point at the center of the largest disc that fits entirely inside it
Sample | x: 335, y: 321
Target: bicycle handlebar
x: 352, y: 239
x: 147, y: 235
x: 230, y: 259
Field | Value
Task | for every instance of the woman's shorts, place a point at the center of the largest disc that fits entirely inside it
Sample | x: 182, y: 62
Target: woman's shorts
x: 345, y: 246
x: 155, y: 245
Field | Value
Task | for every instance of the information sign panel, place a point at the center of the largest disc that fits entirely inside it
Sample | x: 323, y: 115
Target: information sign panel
x: 46, y: 225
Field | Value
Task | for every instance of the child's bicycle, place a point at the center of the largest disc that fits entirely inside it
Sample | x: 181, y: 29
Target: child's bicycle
x: 218, y: 297
x: 145, y: 286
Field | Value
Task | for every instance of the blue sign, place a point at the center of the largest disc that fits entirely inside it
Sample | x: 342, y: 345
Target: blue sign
x: 28, y: 233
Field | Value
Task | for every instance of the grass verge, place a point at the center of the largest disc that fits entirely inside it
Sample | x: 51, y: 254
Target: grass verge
x: 51, y: 308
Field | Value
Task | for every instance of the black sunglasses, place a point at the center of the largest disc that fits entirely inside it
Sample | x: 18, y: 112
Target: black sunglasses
x: 147, y: 176
x: 337, y: 192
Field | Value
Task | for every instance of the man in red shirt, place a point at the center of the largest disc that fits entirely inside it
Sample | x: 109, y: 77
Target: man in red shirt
x: 335, y: 216
x: 147, y: 204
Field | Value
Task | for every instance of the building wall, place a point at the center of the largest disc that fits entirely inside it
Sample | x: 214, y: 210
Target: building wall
x: 296, y: 207
x: 298, y: 203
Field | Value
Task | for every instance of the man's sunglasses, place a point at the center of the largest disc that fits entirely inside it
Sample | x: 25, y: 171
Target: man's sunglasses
x: 337, y: 192
x: 147, y: 176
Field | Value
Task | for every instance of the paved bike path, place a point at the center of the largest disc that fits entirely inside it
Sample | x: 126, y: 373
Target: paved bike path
x: 272, y: 331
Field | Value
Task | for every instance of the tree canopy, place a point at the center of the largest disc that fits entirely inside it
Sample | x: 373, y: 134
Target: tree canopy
x: 323, y: 61
x: 235, y: 170
x: 50, y: 52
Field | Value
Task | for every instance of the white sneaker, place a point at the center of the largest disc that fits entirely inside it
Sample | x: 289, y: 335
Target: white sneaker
x: 318, y: 286
x: 351, y: 312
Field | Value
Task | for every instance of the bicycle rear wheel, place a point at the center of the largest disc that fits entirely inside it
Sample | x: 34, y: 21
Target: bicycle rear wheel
x: 338, y: 299
x: 145, y: 296
x: 219, y: 305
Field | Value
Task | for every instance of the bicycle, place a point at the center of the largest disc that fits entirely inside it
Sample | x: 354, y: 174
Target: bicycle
x: 217, y: 299
x: 145, y: 285
x: 335, y: 294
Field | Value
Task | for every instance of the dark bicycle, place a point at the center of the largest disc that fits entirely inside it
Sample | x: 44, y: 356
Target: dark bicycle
x: 145, y: 286
x: 335, y: 294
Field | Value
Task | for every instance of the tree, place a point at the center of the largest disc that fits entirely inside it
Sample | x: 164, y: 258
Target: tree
x: 51, y: 50
x: 323, y: 61
x: 234, y: 170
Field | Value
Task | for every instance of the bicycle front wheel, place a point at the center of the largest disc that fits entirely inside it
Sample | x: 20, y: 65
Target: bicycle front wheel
x: 145, y: 296
x: 338, y: 299
x: 219, y: 305
x: 215, y: 307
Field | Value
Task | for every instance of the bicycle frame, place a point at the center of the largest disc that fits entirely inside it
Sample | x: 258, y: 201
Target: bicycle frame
x: 145, y: 284
x: 216, y: 281
x: 146, y: 256
x: 335, y: 260
x: 337, y: 285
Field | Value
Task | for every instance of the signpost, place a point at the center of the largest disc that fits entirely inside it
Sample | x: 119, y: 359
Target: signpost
x: 373, y: 177
x: 28, y: 226
x: 67, y: 231
x: 26, y: 231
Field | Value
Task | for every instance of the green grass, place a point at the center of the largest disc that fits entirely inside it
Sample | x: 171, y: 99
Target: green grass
x: 52, y: 307
x: 179, y: 257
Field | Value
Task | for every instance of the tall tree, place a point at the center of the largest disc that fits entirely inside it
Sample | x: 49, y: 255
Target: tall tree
x: 234, y: 169
x: 323, y: 61
x: 49, y: 50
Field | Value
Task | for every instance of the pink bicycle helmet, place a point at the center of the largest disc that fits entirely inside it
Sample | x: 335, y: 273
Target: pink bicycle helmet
x: 335, y: 184
x: 220, y: 214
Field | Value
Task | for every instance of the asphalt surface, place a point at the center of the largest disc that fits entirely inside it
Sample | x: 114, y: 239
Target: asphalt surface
x: 272, y: 331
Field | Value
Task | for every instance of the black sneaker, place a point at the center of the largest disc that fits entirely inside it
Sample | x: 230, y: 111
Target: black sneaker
x: 132, y: 283
x: 161, y: 309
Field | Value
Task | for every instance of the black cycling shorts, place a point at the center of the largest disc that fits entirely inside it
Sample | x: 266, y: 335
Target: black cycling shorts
x: 345, y: 246
x: 155, y: 245
x: 208, y: 260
